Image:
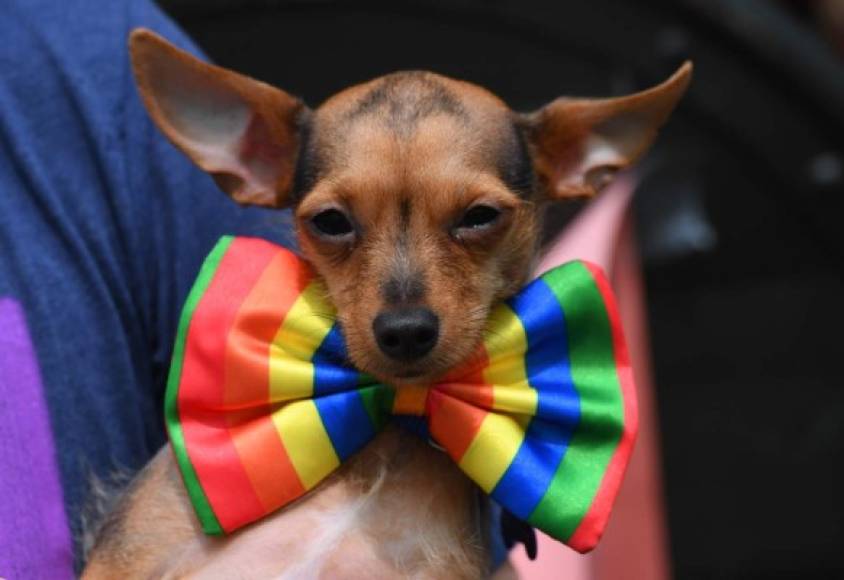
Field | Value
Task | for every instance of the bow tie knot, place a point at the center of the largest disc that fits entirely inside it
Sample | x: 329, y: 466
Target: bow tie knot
x: 261, y: 404
x: 411, y: 400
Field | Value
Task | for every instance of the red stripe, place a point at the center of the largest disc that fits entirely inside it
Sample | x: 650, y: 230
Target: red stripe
x: 457, y: 406
x: 588, y: 533
x: 201, y: 390
x: 247, y: 380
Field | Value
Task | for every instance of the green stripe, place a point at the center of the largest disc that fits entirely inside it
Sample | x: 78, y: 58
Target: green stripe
x: 210, y: 524
x: 378, y: 402
x: 593, y: 370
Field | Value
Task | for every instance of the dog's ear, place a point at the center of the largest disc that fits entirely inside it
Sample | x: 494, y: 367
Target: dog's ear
x: 579, y: 144
x: 243, y: 132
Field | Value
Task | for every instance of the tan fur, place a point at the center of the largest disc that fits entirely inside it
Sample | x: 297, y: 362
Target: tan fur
x: 359, y: 524
x: 404, y: 157
x: 439, y: 183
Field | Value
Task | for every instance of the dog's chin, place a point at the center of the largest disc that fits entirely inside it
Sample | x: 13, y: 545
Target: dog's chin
x: 408, y: 374
x: 425, y: 371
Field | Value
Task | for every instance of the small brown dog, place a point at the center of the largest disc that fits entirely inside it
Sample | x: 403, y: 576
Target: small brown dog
x: 418, y: 199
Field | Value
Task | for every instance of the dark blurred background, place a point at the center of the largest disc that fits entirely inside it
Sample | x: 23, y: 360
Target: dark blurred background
x: 739, y: 217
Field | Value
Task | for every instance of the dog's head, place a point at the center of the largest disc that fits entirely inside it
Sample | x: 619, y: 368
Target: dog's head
x: 417, y: 198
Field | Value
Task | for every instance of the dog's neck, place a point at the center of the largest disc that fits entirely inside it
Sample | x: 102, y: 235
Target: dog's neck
x: 400, y: 508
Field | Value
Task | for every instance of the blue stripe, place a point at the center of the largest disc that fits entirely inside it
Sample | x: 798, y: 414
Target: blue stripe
x: 527, y: 478
x: 414, y: 424
x: 336, y: 397
x: 332, y: 373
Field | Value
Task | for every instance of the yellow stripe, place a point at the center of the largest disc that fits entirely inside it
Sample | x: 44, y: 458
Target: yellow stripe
x: 506, y: 344
x: 303, y: 330
x: 292, y: 377
x: 500, y: 435
x: 492, y: 450
x: 306, y: 441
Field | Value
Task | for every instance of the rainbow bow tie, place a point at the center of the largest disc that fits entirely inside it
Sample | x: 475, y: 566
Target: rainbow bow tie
x: 261, y: 404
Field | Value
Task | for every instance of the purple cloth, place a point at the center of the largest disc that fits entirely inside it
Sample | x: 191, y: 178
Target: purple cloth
x: 34, y: 537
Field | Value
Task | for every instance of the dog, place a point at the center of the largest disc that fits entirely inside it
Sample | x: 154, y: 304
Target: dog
x: 418, y: 201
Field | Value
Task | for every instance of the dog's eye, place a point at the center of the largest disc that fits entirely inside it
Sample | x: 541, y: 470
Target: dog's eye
x: 333, y: 223
x: 478, y: 216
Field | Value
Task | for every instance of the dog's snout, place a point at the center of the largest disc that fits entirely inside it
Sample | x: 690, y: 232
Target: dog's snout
x: 406, y: 334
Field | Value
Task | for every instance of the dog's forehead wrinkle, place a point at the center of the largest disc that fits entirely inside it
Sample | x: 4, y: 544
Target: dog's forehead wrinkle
x: 401, y: 100
x: 404, y: 214
x: 421, y: 134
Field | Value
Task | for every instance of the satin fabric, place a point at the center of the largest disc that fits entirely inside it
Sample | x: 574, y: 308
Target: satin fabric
x: 262, y: 404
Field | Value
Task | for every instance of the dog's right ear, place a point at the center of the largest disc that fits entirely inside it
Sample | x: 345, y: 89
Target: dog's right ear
x: 580, y: 144
x: 243, y: 132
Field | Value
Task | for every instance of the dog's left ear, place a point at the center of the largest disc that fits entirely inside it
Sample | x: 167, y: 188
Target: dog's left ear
x: 243, y: 132
x: 580, y: 144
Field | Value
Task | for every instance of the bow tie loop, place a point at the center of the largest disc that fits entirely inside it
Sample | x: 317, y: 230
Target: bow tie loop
x: 262, y: 405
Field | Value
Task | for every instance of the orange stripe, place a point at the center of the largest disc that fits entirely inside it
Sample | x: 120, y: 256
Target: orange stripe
x: 410, y: 400
x: 201, y: 388
x: 457, y: 406
x: 253, y: 433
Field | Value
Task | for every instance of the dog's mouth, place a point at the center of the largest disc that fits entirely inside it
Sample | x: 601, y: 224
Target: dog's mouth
x: 425, y: 371
x: 416, y: 373
x: 409, y: 375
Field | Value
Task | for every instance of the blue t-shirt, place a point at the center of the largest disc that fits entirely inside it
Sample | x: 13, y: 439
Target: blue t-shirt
x: 103, y: 226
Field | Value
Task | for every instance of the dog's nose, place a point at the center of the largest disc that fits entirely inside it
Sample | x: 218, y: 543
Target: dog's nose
x: 406, y: 334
